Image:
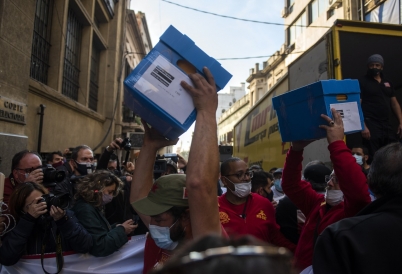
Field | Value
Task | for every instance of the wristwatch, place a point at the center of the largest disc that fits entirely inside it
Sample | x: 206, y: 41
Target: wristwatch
x: 109, y: 149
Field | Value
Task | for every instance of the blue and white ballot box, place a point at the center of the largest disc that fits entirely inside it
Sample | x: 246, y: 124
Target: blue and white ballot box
x: 153, y: 89
x: 299, y: 110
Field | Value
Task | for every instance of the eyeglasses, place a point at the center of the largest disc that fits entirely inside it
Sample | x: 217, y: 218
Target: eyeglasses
x: 241, y: 175
x: 331, y: 177
x: 28, y: 170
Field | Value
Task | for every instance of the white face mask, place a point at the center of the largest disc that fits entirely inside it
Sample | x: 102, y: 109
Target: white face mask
x: 241, y: 189
x: 359, y: 159
x: 334, y: 197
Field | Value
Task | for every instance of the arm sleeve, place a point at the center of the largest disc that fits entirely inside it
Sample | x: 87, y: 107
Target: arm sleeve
x: 15, y: 241
x: 105, y: 241
x: 73, y: 232
x: 351, y: 178
x: 104, y: 160
x: 300, y: 192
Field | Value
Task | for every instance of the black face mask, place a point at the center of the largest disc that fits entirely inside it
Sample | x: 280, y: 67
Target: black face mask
x: 270, y: 196
x: 373, y: 72
x: 84, y: 168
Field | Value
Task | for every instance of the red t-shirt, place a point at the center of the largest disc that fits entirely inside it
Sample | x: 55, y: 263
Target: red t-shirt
x: 256, y: 217
x: 154, y: 255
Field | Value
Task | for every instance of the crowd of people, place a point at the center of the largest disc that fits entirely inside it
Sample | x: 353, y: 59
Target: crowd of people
x: 338, y: 217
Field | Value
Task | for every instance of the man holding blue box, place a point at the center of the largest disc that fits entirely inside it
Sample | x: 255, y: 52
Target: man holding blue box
x: 177, y: 207
x: 377, y: 100
x: 347, y: 192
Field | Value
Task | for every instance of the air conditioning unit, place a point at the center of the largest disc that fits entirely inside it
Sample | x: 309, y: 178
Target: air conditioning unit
x: 285, y: 12
x: 333, y: 4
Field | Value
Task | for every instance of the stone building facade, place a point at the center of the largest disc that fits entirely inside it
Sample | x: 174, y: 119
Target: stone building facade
x: 62, y: 62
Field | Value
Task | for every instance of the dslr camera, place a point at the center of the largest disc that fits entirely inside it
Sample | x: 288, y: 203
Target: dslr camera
x: 62, y: 201
x: 161, y: 162
x: 126, y: 144
x: 52, y: 176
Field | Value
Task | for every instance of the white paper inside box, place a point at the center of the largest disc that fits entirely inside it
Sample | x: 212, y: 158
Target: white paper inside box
x: 157, y: 96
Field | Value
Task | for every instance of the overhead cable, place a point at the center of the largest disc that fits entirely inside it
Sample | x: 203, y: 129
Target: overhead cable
x: 242, y: 19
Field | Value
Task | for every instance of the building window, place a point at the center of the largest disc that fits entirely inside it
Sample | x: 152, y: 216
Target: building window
x: 41, y: 40
x: 110, y: 6
x: 128, y: 115
x: 316, y: 8
x: 297, y: 28
x: 72, y: 57
x: 94, y: 80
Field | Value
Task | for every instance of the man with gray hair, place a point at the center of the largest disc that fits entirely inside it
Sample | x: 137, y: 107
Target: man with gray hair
x: 370, y: 242
x: 377, y: 100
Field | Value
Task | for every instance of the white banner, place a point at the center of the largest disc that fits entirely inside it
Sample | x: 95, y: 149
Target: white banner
x: 128, y: 259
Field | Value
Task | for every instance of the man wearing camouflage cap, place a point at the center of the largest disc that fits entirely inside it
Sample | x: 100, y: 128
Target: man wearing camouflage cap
x: 177, y: 207
x: 377, y: 100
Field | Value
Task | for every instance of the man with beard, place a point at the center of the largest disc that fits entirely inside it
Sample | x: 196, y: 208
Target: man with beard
x: 180, y: 207
x: 377, y: 100
x: 347, y: 192
x: 261, y: 184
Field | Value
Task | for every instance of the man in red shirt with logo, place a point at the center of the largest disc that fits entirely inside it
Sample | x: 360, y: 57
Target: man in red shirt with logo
x: 244, y: 213
x: 347, y: 191
x: 178, y: 207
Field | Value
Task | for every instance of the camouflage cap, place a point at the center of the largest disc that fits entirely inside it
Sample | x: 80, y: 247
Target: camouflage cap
x: 167, y: 191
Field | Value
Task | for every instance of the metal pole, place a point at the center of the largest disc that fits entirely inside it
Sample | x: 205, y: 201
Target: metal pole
x: 41, y: 113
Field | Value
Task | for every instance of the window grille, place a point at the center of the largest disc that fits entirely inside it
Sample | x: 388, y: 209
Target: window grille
x: 94, y: 80
x: 41, y: 40
x: 72, y: 57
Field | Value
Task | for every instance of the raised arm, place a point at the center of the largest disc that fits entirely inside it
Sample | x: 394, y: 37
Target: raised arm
x: 203, y: 163
x: 299, y: 191
x: 143, y: 173
x: 351, y: 178
x: 105, y: 157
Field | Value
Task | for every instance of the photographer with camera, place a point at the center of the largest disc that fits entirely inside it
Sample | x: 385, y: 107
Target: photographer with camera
x: 80, y: 164
x: 165, y: 165
x: 44, y: 225
x: 25, y: 167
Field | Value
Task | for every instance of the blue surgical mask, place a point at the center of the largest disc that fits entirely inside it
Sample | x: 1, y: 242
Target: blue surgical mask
x: 161, y: 236
x: 359, y: 159
x: 278, y: 185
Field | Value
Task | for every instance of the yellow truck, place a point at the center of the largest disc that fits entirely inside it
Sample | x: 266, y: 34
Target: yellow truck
x: 339, y: 54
